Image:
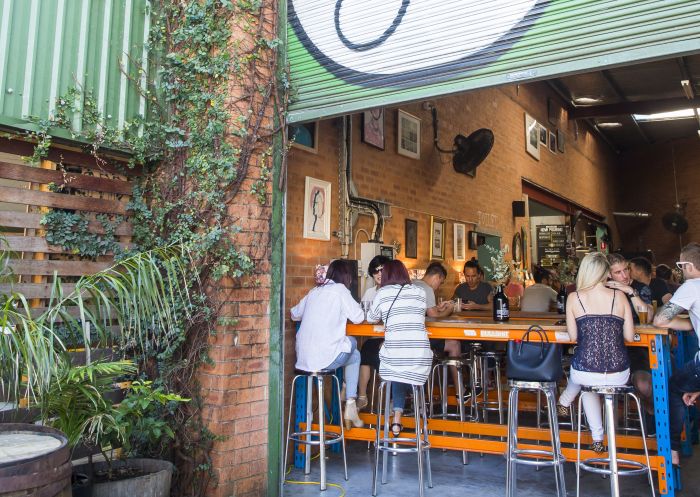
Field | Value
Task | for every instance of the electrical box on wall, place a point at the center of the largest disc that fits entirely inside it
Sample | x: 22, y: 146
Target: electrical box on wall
x: 369, y: 251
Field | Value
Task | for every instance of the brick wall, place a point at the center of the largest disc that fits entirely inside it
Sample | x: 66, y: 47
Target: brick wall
x: 647, y: 173
x: 418, y: 189
x: 236, y: 386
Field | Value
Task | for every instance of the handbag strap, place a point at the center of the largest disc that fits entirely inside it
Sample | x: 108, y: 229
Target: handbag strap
x: 544, y: 339
x: 536, y: 328
x: 392, y: 306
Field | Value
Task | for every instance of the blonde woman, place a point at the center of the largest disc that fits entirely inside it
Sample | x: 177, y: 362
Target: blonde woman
x: 600, y: 320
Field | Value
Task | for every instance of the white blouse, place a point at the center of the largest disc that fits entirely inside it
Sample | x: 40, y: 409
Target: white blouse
x: 324, y: 313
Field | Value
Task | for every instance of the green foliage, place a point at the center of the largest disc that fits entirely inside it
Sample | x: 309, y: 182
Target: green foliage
x: 146, y: 418
x: 70, y: 231
x: 75, y: 403
x: 208, y: 115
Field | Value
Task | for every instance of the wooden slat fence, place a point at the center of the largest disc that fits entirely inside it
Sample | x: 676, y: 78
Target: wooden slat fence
x: 91, y: 188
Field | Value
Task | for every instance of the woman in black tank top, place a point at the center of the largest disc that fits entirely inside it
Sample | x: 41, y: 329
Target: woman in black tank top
x: 600, y: 321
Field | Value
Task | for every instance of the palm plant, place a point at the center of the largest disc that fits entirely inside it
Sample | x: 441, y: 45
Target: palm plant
x: 75, y: 401
x: 146, y: 296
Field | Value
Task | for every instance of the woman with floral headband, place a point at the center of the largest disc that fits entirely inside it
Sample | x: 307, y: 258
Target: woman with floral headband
x: 321, y: 342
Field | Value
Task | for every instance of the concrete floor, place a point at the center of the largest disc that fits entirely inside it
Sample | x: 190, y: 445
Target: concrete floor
x: 482, y: 477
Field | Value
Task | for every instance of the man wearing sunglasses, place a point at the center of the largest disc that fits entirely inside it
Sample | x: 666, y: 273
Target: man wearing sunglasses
x: 684, y: 385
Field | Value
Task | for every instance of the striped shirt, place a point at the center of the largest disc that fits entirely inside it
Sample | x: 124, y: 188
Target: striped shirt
x: 405, y: 356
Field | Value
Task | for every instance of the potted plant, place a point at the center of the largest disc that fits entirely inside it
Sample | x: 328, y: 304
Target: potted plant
x: 139, y: 425
x: 146, y: 297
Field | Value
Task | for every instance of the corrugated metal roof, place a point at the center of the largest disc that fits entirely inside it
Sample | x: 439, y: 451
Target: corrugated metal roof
x: 348, y: 56
x: 50, y: 46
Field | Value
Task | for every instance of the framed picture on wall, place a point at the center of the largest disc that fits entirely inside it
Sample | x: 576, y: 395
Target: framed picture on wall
x: 543, y: 136
x: 408, y: 135
x: 317, y: 209
x: 532, y: 137
x: 373, y: 127
x: 560, y: 141
x: 411, y: 239
x: 460, y: 241
x: 437, y: 238
x: 552, y: 142
x: 304, y: 136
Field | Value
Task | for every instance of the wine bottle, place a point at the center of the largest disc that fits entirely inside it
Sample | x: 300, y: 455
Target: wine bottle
x: 501, y: 311
x: 561, y: 300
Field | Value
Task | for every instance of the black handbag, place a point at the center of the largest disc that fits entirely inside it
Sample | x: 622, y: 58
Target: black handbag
x: 534, y: 361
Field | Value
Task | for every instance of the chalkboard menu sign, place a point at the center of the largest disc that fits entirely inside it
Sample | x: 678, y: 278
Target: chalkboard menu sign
x: 551, y: 244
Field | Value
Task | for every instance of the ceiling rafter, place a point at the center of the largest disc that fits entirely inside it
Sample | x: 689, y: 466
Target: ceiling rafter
x: 641, y: 107
x: 621, y: 95
x: 685, y: 74
x: 565, y: 95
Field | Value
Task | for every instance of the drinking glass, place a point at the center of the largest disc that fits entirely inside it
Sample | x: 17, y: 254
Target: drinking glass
x: 458, y: 304
x: 642, y: 312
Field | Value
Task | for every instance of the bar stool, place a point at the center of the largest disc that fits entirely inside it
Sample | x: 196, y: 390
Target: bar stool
x: 385, y: 442
x: 442, y: 370
x: 597, y: 464
x: 628, y: 416
x: 489, y: 362
x: 566, y: 366
x: 318, y: 437
x: 532, y: 457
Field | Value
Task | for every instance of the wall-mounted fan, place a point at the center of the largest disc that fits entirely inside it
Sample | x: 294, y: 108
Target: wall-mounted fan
x: 469, y: 151
x: 675, y: 221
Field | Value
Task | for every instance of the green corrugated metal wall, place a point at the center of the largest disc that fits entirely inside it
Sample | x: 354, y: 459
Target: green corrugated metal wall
x: 49, y: 46
x: 353, y: 55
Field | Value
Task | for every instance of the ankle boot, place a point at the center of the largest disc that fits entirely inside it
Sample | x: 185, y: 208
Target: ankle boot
x: 350, y: 416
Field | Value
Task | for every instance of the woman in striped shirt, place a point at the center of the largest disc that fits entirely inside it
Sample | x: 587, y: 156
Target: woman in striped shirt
x: 406, y: 357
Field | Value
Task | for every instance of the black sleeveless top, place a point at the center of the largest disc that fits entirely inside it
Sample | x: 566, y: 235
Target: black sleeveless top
x: 601, y: 343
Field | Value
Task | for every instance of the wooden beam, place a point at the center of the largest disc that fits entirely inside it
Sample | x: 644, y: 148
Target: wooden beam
x: 18, y: 146
x: 73, y: 180
x: 12, y: 219
x: 628, y: 108
x: 37, y: 244
x: 34, y: 290
x: 61, y: 201
x: 62, y: 268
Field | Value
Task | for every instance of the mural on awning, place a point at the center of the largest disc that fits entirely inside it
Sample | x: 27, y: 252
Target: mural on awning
x: 348, y: 55
x: 386, y: 41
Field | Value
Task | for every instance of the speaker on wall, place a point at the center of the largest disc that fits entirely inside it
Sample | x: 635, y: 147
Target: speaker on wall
x: 518, y: 208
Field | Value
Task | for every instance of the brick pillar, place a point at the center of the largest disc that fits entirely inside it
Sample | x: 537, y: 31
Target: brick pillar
x: 235, y: 387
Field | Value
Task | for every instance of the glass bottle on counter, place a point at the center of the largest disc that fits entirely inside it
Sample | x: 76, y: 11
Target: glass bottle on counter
x: 501, y: 311
x: 561, y: 300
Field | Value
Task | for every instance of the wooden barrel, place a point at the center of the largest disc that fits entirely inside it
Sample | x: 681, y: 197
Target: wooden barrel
x: 34, y: 460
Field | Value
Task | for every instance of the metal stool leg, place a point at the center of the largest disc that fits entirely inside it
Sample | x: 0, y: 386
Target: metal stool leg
x: 309, y: 420
x: 419, y: 439
x: 485, y: 386
x: 499, y: 392
x: 460, y: 405
x: 321, y: 433
x: 289, y: 422
x: 612, y: 447
x: 644, y: 442
x: 342, y: 429
x: 387, y: 417
x: 378, y: 430
x: 578, y: 448
x: 511, y: 465
x: 425, y: 437
x: 556, y: 442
